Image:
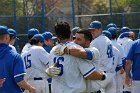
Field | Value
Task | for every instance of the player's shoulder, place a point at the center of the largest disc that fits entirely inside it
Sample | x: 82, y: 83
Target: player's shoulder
x: 72, y: 45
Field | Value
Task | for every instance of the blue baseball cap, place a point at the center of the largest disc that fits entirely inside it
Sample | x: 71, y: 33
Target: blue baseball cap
x: 74, y: 30
x: 48, y: 35
x: 33, y: 31
x: 38, y: 37
x: 112, y: 30
x: 4, y: 30
x: 125, y: 29
x: 12, y: 32
x: 107, y: 34
x: 95, y: 25
x: 111, y: 25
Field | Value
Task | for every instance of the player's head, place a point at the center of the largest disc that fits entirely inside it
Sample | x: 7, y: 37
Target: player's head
x: 4, y: 35
x: 111, y: 25
x: 62, y: 30
x: 13, y: 36
x: 107, y: 34
x: 113, y: 32
x: 48, y: 36
x: 32, y: 32
x: 37, y: 39
x: 125, y: 29
x: 83, y: 37
x: 95, y: 28
x: 74, y: 30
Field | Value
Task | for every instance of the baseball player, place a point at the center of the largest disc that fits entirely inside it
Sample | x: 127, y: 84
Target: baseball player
x: 118, y: 57
x: 104, y: 45
x: 36, y: 61
x: 126, y: 43
x: 74, y: 30
x: 132, y: 77
x: 48, y: 43
x: 73, y: 69
x: 31, y: 33
x: 13, y: 36
x: 11, y: 67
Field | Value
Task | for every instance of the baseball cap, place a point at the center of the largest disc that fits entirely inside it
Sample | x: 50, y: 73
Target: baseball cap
x: 125, y: 29
x: 12, y: 32
x: 107, y: 34
x: 38, y: 37
x: 4, y: 30
x: 33, y: 31
x: 112, y: 30
x: 74, y: 30
x: 48, y: 35
x: 95, y: 25
x: 111, y: 25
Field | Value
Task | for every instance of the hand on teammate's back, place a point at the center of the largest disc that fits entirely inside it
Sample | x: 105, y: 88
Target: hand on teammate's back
x: 53, y: 71
x: 60, y: 49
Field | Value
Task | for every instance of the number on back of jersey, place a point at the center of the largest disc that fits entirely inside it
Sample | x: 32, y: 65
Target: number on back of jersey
x: 27, y: 61
x: 109, y: 51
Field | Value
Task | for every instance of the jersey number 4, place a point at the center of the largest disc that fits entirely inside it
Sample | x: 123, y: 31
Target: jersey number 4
x: 58, y: 63
x: 27, y: 61
x: 109, y: 51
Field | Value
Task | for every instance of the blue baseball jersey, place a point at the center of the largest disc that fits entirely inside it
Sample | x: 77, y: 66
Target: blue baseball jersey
x: 13, y: 69
x: 134, y: 56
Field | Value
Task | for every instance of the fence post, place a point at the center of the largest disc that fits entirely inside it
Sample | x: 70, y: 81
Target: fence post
x: 43, y: 16
x: 73, y: 14
x: 110, y: 11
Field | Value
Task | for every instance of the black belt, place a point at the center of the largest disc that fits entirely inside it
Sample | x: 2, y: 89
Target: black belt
x: 38, y: 78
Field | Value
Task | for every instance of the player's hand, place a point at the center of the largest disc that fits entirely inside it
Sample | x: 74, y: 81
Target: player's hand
x: 53, y: 71
x: 32, y: 90
x: 1, y: 82
x: 128, y: 82
x: 60, y: 49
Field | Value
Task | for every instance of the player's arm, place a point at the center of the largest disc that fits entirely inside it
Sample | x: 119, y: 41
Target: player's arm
x: 25, y: 85
x: 80, y: 53
x: 77, y: 52
x: 127, y: 70
x: 96, y: 76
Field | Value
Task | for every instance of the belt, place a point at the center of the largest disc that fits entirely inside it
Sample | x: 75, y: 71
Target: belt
x: 38, y: 78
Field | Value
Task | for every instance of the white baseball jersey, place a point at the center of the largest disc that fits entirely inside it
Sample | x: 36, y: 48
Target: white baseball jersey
x: 103, y: 44
x: 73, y: 71
x: 26, y: 47
x: 92, y: 85
x: 36, y: 61
x: 13, y: 48
x: 125, y: 43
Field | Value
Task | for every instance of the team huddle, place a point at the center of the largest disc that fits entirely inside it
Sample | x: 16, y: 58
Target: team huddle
x: 84, y: 60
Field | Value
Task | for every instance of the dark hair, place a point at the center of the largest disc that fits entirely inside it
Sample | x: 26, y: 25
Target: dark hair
x: 12, y: 37
x: 34, y: 41
x: 62, y: 30
x: 86, y: 32
x: 114, y: 36
x: 29, y: 37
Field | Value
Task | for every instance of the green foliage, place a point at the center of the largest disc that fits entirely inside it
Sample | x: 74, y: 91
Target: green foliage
x: 134, y: 2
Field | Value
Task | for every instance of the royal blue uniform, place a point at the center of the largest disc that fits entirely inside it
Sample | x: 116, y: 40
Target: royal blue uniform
x: 13, y: 69
x: 134, y: 56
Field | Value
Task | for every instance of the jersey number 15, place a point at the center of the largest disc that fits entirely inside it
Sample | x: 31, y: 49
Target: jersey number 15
x: 27, y: 61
